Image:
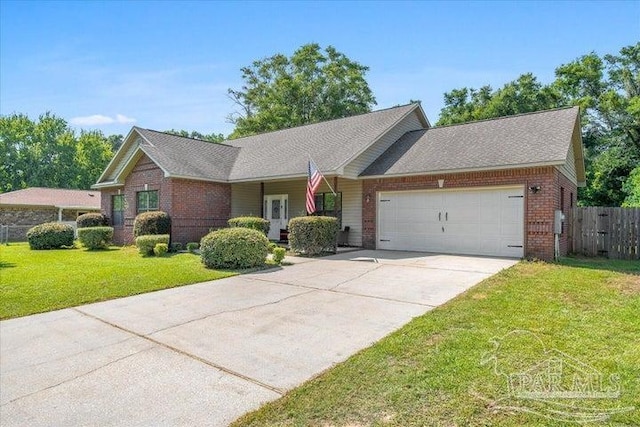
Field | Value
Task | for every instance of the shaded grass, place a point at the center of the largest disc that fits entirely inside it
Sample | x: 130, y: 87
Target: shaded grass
x: 37, y: 281
x: 429, y: 373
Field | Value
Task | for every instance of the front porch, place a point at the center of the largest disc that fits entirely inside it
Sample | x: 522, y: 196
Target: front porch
x: 279, y: 201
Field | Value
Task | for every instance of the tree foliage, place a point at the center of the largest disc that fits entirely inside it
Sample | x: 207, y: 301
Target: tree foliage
x: 608, y: 91
x: 48, y: 153
x: 310, y: 86
x: 212, y: 137
x: 631, y: 189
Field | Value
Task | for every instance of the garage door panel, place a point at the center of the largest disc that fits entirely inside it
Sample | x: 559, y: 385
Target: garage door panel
x: 482, y: 222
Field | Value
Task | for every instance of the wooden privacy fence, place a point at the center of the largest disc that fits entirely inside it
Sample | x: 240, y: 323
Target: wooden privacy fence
x: 607, y: 232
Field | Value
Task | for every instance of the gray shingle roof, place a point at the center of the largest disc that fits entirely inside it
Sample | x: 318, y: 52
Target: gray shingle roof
x: 331, y: 144
x: 526, y: 139
x: 186, y: 157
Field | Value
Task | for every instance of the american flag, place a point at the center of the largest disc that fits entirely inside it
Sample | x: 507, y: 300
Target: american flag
x: 313, y: 182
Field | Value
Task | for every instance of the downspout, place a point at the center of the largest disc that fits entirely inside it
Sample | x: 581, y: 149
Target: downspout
x: 59, y: 214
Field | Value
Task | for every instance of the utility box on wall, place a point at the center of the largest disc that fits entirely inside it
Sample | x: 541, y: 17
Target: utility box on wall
x: 557, y: 222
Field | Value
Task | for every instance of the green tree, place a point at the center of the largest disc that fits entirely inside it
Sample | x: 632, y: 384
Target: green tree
x: 48, y: 153
x: 607, y: 89
x: 93, y: 152
x: 523, y: 95
x: 115, y: 141
x: 632, y: 189
x: 212, y: 137
x: 311, y: 86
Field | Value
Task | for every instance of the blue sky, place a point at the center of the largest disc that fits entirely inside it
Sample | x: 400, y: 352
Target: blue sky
x: 110, y: 64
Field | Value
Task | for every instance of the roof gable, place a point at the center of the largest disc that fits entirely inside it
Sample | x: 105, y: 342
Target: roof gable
x: 279, y: 154
x: 177, y: 156
x: 533, y: 139
x: 331, y: 145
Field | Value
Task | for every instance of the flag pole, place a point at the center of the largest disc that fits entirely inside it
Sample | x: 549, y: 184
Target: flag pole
x: 323, y: 177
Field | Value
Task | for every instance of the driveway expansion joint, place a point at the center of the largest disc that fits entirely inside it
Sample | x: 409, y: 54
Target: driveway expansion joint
x: 235, y: 310
x: 75, y: 377
x: 189, y: 355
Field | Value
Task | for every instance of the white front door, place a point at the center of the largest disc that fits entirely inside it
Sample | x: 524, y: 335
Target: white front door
x: 276, y: 211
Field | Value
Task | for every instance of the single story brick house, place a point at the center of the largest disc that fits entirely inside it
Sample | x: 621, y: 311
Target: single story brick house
x: 488, y: 187
x: 22, y: 209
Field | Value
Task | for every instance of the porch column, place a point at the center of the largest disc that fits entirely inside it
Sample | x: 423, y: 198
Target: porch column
x: 262, y: 200
x: 59, y: 214
x: 335, y: 188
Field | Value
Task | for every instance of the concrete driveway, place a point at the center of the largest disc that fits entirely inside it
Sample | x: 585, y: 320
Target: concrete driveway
x: 207, y: 353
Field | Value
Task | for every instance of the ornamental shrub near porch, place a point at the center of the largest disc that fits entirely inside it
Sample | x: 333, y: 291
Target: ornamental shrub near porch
x: 146, y: 244
x: 91, y: 219
x: 95, y: 237
x: 253, y: 222
x: 312, y: 235
x: 149, y: 223
x: 234, y: 248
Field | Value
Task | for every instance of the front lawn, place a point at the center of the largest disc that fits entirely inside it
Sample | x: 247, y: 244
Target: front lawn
x: 580, y: 316
x: 37, y: 281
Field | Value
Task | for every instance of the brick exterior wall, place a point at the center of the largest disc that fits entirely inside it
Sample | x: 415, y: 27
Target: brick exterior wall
x: 21, y: 218
x: 194, y: 206
x: 539, y: 207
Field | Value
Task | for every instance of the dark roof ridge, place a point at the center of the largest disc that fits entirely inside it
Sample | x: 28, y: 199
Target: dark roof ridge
x: 325, y: 121
x: 505, y: 117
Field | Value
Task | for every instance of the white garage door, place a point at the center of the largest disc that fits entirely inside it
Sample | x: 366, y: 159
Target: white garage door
x: 478, y: 222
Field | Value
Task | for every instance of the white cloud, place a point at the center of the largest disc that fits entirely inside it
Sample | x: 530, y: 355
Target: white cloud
x: 122, y: 119
x: 99, y: 119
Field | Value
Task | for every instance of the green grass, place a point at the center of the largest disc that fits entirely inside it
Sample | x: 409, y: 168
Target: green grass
x: 37, y: 281
x: 429, y: 373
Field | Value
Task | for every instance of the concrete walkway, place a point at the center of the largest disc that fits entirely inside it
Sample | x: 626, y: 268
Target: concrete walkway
x: 207, y: 353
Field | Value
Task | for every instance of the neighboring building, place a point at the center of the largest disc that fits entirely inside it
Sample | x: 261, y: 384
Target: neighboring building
x: 489, y: 187
x: 22, y: 209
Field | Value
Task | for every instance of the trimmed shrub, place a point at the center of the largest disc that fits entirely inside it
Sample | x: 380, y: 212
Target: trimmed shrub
x: 50, y: 235
x: 160, y: 249
x: 91, y: 219
x: 148, y: 223
x: 234, y: 248
x: 272, y: 246
x: 278, y: 255
x: 95, y: 237
x: 146, y: 244
x: 312, y: 235
x: 252, y: 222
x: 176, y: 247
x: 193, y: 246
